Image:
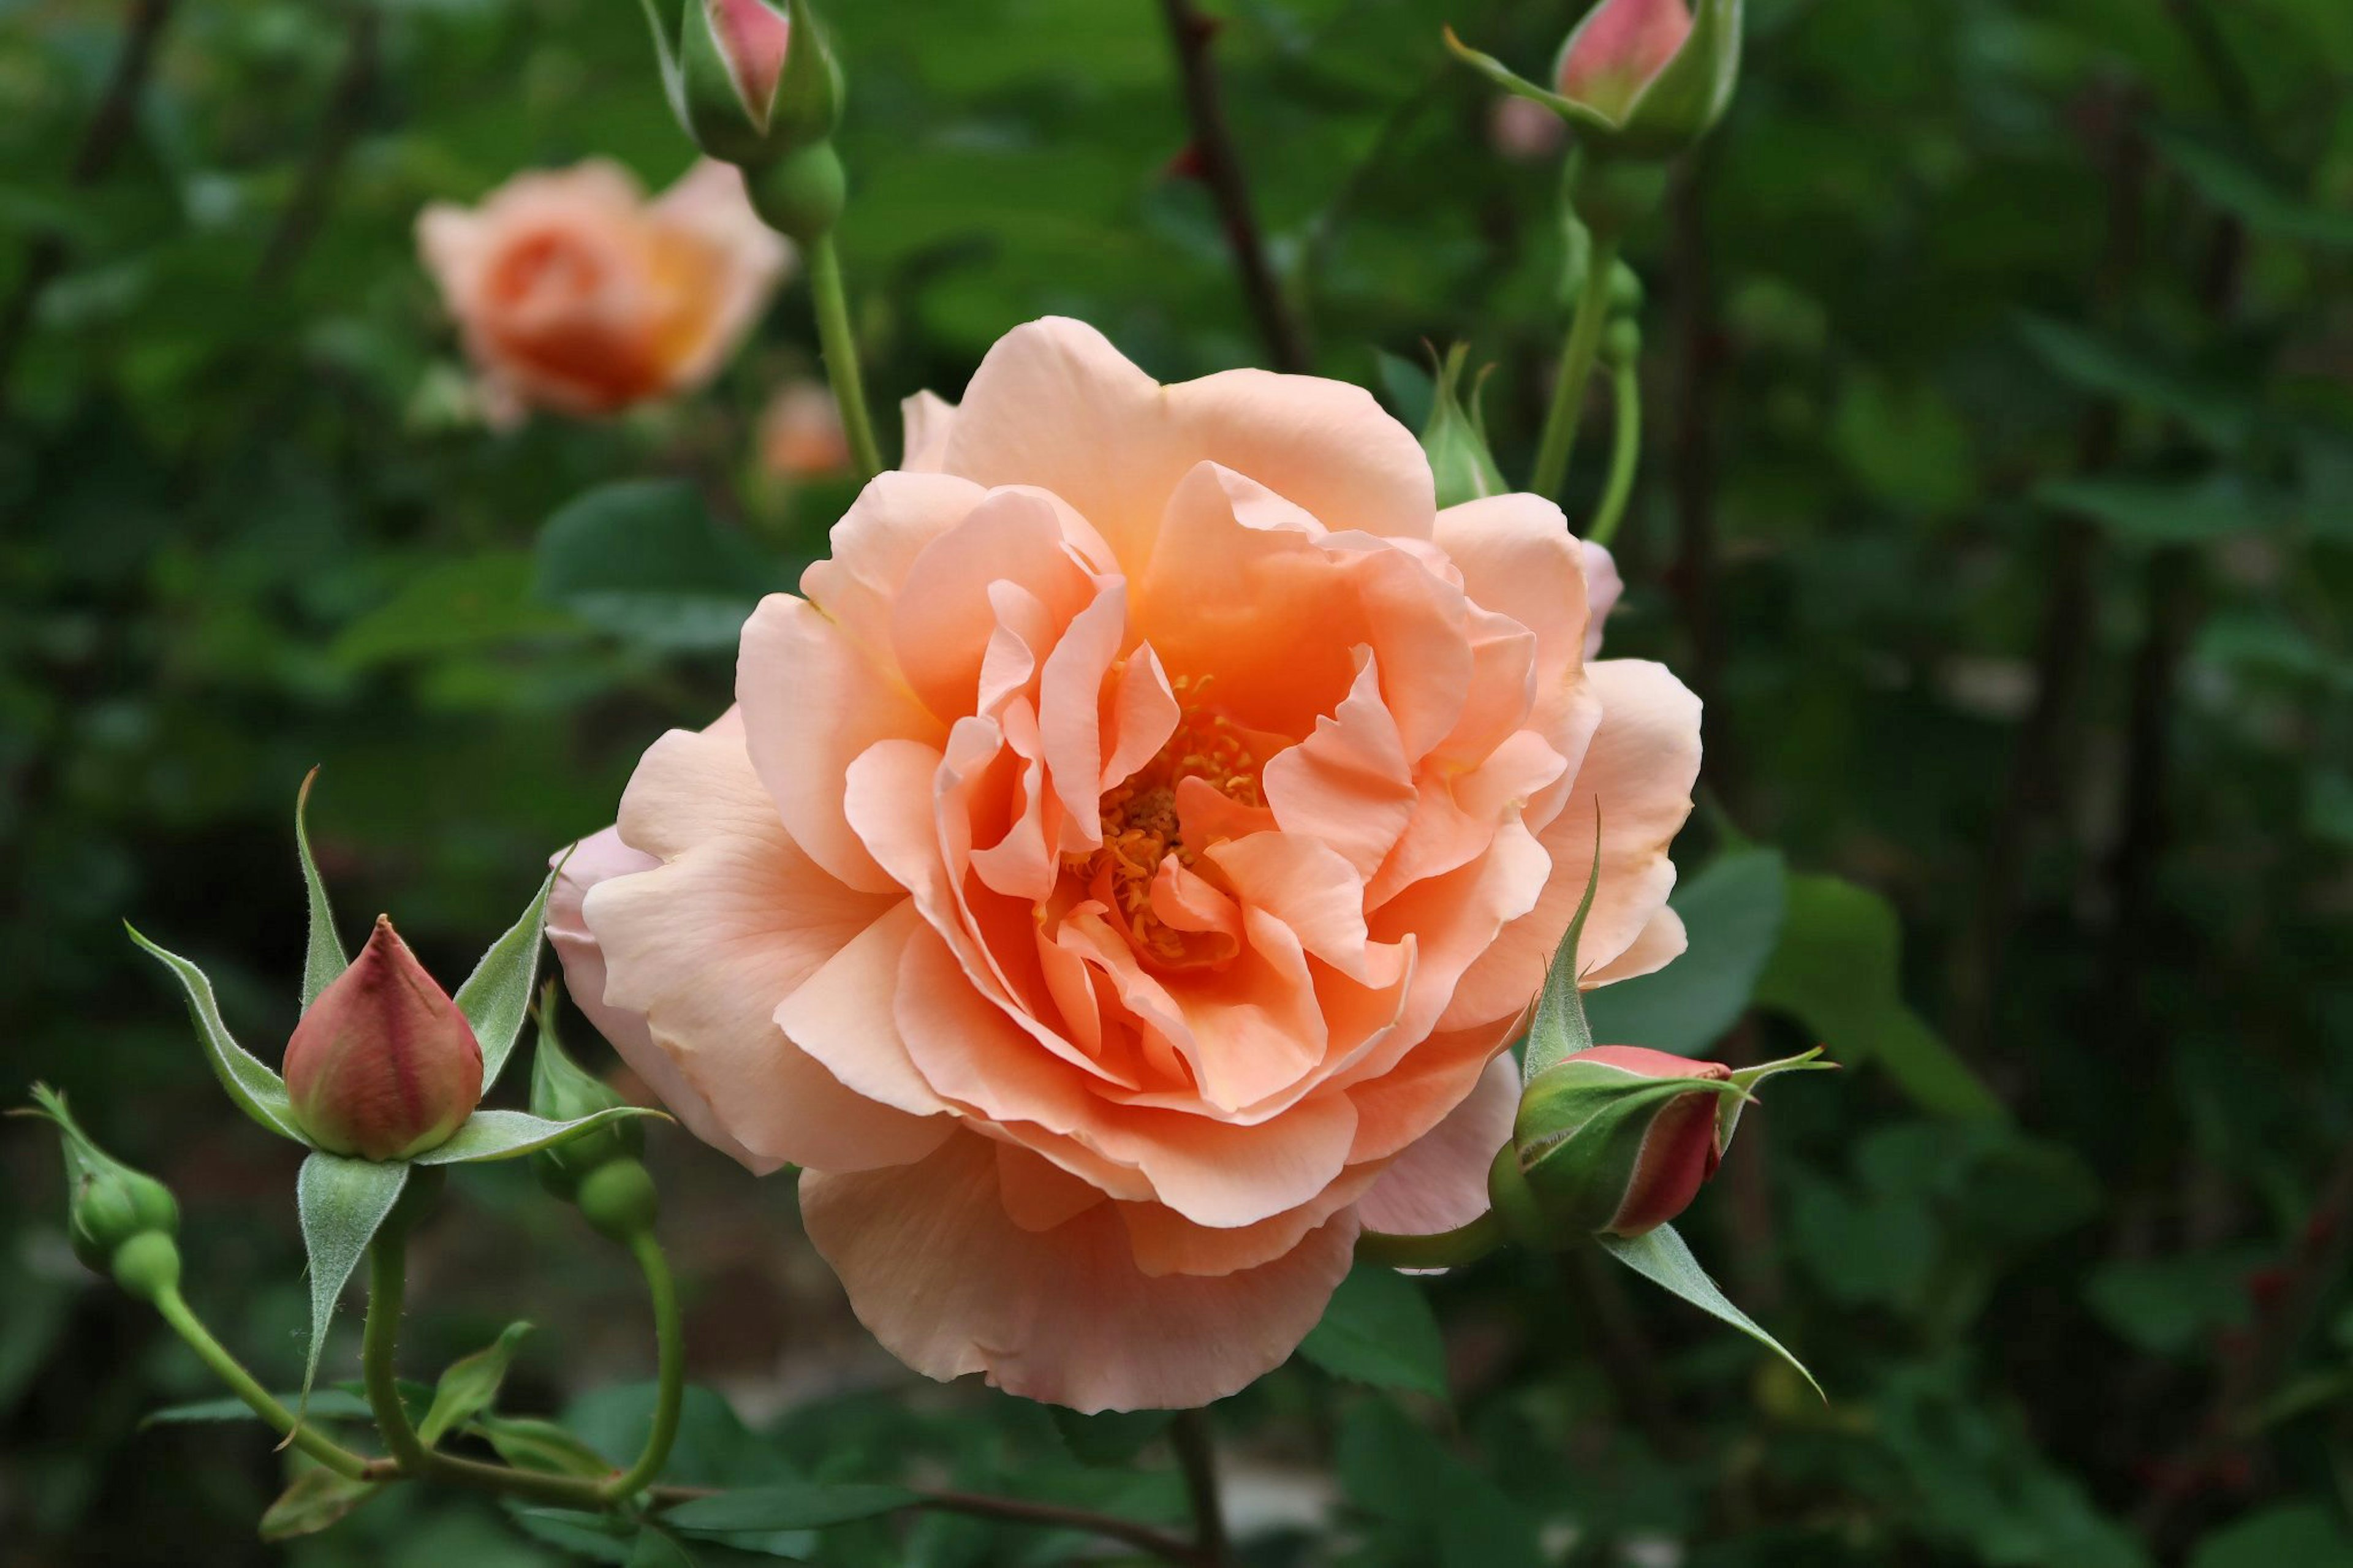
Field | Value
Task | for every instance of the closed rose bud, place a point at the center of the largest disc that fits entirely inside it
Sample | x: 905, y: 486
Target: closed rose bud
x: 382, y: 1066
x: 1619, y: 51
x: 751, y: 81
x: 1617, y: 1139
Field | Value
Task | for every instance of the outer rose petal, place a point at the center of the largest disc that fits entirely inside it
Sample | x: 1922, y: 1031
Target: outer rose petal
x: 1602, y: 588
x: 594, y: 859
x: 941, y: 1274
x: 708, y: 945
x: 1440, y: 1180
x: 1054, y: 405
x: 745, y: 259
x: 1636, y: 782
x: 925, y: 420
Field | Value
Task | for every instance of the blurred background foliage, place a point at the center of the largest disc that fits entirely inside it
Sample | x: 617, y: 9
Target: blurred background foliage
x: 1998, y: 496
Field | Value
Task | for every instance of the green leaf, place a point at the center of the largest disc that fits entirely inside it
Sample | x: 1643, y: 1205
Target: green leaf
x: 318, y: 1497
x: 469, y: 1384
x: 1380, y: 1330
x: 2100, y: 365
x: 496, y: 997
x: 1110, y: 1436
x: 1560, y: 1029
x: 1732, y: 910
x: 534, y: 1445
x: 1838, y: 971
x: 1450, y: 1513
x: 644, y: 560
x: 1660, y: 1256
x: 322, y: 956
x: 2303, y: 1534
x: 601, y: 1538
x: 507, y: 1134
x: 327, y: 1404
x: 2237, y: 187
x: 656, y: 1549
x: 343, y: 1203
x: 2153, y: 512
x: 2172, y: 1305
x: 453, y: 607
x: 257, y: 1092
x: 788, y: 1505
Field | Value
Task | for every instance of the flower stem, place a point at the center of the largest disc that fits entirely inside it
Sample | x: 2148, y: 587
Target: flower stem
x: 670, y: 1344
x: 224, y: 1367
x: 387, y: 1281
x: 1576, y: 356
x: 1446, y: 1249
x: 1199, y: 1459
x: 830, y: 300
x: 1624, y: 453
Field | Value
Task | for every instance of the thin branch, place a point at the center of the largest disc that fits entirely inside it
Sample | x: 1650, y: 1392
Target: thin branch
x: 1190, y: 1437
x: 347, y: 104
x: 1111, y: 1526
x: 1222, y: 170
x: 102, y: 144
x: 1698, y: 365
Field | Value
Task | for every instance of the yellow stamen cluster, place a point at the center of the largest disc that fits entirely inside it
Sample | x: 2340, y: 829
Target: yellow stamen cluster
x: 1140, y: 827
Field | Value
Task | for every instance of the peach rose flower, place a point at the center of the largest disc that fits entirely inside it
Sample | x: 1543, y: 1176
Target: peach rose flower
x: 574, y: 293
x: 1125, y: 863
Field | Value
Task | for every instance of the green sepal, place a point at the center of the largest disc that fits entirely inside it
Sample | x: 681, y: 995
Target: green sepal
x: 1745, y: 1080
x: 318, y: 1498
x: 509, y: 1134
x: 710, y: 105
x: 256, y: 1089
x: 496, y: 997
x: 1660, y: 1256
x: 469, y: 1384
x: 323, y: 955
x: 563, y: 1090
x: 811, y: 90
x: 1559, y: 1030
x: 343, y: 1203
x: 1455, y: 437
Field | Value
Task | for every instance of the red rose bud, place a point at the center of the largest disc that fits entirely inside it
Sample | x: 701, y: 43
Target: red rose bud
x: 1617, y: 1139
x: 384, y: 1064
x: 751, y: 40
x: 1619, y: 51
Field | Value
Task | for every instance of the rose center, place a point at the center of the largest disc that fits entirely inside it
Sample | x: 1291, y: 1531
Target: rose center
x: 1140, y: 829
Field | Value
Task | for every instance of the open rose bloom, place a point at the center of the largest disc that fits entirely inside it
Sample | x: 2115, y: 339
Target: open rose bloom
x: 1125, y: 864
x: 576, y: 293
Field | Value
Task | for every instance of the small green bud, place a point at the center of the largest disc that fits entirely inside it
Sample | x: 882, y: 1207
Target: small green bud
x: 1456, y: 437
x: 562, y: 1090
x: 1621, y: 341
x: 148, y: 1265
x: 109, y: 1204
x: 802, y: 194
x: 617, y: 1200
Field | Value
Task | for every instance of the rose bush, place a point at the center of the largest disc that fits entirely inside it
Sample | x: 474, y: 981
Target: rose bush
x: 1124, y: 864
x: 574, y: 293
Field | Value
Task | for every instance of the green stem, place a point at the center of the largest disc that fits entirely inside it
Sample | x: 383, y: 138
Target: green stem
x: 1576, y: 356
x: 1446, y: 1249
x: 1624, y: 453
x: 670, y: 1342
x: 839, y: 346
x: 388, y: 1282
x: 1197, y: 1458
x: 224, y: 1367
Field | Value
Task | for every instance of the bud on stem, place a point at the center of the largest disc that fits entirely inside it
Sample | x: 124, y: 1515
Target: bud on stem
x: 119, y: 1220
x: 382, y: 1066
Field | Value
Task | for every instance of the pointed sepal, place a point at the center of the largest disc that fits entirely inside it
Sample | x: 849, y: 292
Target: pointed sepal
x: 343, y: 1203
x: 509, y: 1134
x: 323, y: 955
x: 1559, y: 1030
x: 1745, y: 1080
x: 256, y: 1089
x: 1455, y: 438
x: 496, y: 997
x: 1660, y: 1256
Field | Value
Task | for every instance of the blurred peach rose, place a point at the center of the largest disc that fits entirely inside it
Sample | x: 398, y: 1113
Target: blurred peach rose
x: 1123, y: 869
x: 574, y: 293
x: 800, y: 434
